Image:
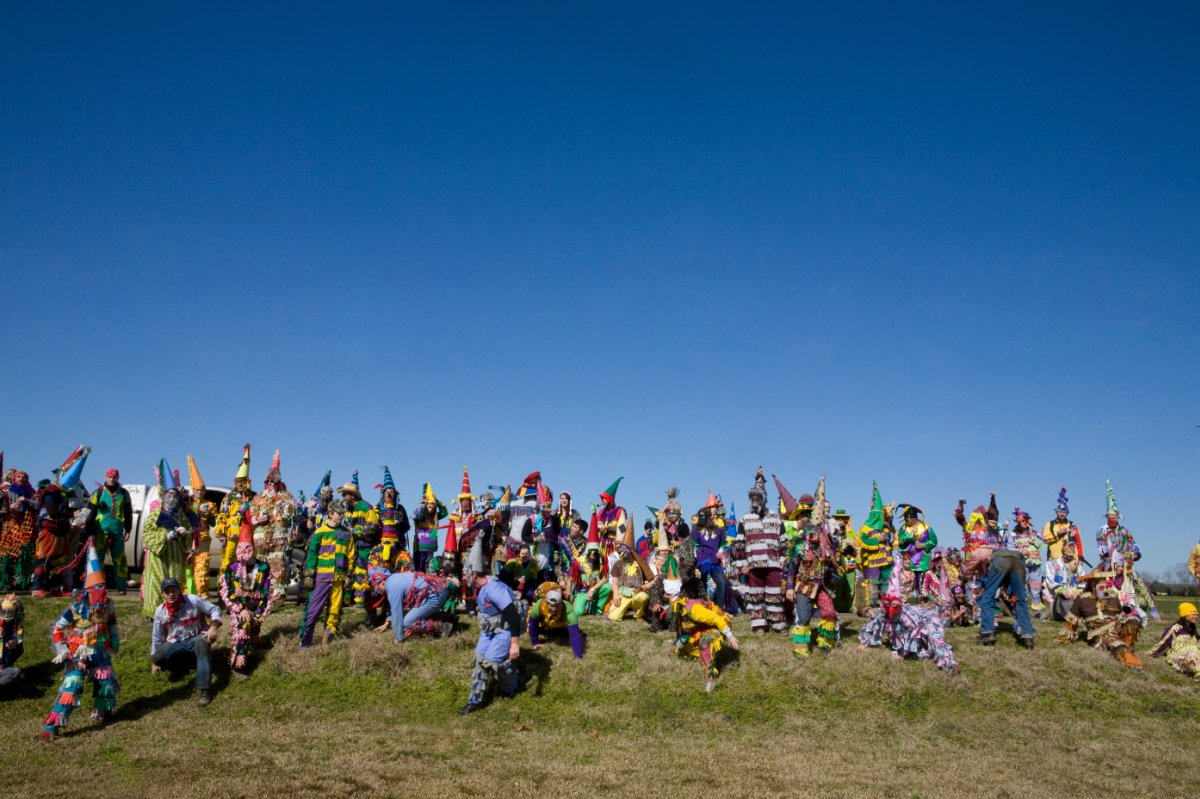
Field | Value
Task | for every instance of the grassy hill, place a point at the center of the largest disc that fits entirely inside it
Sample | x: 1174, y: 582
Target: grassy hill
x: 367, y: 717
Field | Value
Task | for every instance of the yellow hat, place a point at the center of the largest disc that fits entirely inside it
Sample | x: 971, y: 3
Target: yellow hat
x: 243, y: 472
x: 429, y: 497
x: 1186, y: 609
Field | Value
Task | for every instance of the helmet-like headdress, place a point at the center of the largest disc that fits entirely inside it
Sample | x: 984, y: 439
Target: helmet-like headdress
x: 1112, y: 501
x: 1061, y: 505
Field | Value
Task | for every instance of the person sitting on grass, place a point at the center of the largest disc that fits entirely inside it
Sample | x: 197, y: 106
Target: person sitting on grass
x: 179, y: 642
x: 499, y: 643
x: 1181, y: 644
x: 912, y: 632
x: 550, y: 615
x: 12, y: 645
x: 701, y: 628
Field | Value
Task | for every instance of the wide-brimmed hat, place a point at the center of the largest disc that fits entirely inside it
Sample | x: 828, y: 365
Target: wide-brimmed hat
x: 350, y: 488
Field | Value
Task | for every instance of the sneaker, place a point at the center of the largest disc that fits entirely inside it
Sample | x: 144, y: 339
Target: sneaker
x: 708, y: 686
x: 470, y: 707
x: 205, y: 697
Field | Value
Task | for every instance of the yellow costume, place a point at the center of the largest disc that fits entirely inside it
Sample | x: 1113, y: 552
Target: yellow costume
x: 700, y: 630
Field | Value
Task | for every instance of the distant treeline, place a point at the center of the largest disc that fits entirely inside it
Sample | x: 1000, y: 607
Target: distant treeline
x: 1176, y: 581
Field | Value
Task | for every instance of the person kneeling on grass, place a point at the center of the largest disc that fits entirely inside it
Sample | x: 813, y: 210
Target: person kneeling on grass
x: 912, y: 632
x: 701, y: 628
x: 416, y: 601
x: 499, y: 631
x: 551, y: 616
x: 178, y: 644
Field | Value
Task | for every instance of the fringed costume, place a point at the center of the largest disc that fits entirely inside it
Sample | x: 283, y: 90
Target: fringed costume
x: 245, y: 589
x: 1118, y: 553
x: 17, y: 534
x: 587, y: 575
x: 551, y: 616
x: 761, y: 548
x: 499, y: 625
x: 701, y: 630
x: 875, y: 540
x: 271, y: 514
x: 1180, y: 643
x: 1108, y: 617
x: 167, y: 532
x: 611, y: 520
x: 916, y: 539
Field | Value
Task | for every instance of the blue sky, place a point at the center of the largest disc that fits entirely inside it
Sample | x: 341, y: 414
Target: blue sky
x: 951, y: 249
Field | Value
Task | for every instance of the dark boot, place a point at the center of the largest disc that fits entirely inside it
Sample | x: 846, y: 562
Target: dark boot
x: 1027, y: 643
x: 205, y: 697
x: 470, y: 707
x: 987, y: 639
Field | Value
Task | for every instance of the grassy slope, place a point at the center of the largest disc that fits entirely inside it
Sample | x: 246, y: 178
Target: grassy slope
x: 372, y: 718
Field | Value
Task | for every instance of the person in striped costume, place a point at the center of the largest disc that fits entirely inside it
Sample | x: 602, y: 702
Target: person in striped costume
x: 759, y: 553
x: 329, y: 561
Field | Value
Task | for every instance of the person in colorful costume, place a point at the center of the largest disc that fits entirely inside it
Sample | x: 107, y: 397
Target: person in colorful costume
x: 1061, y: 585
x: 328, y: 561
x: 521, y: 574
x: 519, y: 506
x: 1118, y: 553
x: 912, y: 632
x: 167, y: 532
x: 550, y: 615
x: 271, y: 513
x: 916, y: 539
x: 311, y: 515
x: 701, y: 629
x: 1180, y: 643
x: 234, y: 509
x: 1108, y: 615
x: 499, y: 643
x: 1024, y: 539
x: 425, y: 520
x: 666, y: 586
x: 363, y: 523
x: 393, y: 518
x: 1057, y: 532
x: 760, y: 553
x: 631, y: 577
x: 53, y: 541
x: 464, y: 516
x: 708, y: 536
x: 245, y: 589
x: 809, y: 564
x: 480, y: 542
x: 12, y: 646
x: 382, y: 563
x: 875, y: 540
x: 417, y: 601
x: 587, y: 576
x: 938, y: 587
x: 1194, y: 562
x: 206, y: 512
x: 611, y: 520
x: 849, y: 583
x: 543, y: 530
x: 111, y: 525
x: 85, y: 638
x: 179, y: 642
x: 566, y: 517
x: 17, y: 533
x: 981, y: 533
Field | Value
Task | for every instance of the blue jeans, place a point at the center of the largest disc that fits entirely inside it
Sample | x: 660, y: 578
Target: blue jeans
x: 718, y: 577
x: 1007, y: 571
x: 183, y: 655
x: 432, y: 604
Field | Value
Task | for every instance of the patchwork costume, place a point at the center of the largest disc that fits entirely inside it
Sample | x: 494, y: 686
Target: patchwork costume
x: 875, y: 548
x: 1180, y: 644
x: 761, y: 548
x: 245, y: 587
x: 426, y: 524
x: 111, y: 522
x: 17, y: 529
x: 271, y: 516
x: 912, y: 632
x: 1118, y: 553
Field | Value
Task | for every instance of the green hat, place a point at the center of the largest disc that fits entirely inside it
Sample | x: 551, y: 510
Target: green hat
x: 875, y: 520
x: 1112, y: 501
x: 611, y: 493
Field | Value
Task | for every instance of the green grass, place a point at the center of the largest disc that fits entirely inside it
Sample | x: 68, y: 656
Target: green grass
x: 367, y: 717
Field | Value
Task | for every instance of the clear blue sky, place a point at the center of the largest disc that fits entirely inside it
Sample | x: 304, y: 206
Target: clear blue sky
x: 952, y: 249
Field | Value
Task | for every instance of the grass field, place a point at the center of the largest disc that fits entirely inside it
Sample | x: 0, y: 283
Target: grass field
x: 366, y: 717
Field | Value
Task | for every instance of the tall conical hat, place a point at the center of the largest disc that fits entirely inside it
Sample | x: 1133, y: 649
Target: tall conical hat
x: 1111, y: 500
x: 196, y: 483
x: 819, y: 516
x: 628, y: 541
x: 175, y: 474
x: 593, y: 539
x: 451, y: 540
x: 243, y: 472
x: 166, y: 479
x: 712, y: 501
x: 275, y: 462
x: 893, y: 587
x: 543, y: 495
x: 246, y: 534
x: 326, y: 482
x: 875, y: 520
x: 1061, y: 505
x: 611, y: 493
x: 94, y: 571
x: 427, y: 494
x: 660, y: 538
x: 75, y: 455
x: 993, y: 513
x: 354, y: 479
x: 786, y: 500
x: 505, y: 498
x: 71, y: 477
x: 466, y: 486
x: 387, y: 481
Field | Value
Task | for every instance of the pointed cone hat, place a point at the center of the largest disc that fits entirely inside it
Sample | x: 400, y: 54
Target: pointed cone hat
x: 629, y: 541
x: 893, y: 587
x: 819, y: 516
x: 712, y: 501
x: 466, y: 486
x: 451, y: 540
x: 1111, y: 500
x: 197, y: 482
x: 1061, y: 505
x: 275, y: 462
x: 94, y: 570
x: 354, y: 479
x: 243, y: 472
x: 506, y: 497
x: 427, y: 494
x: 875, y: 519
x: 786, y: 501
x: 71, y: 477
x: 387, y: 480
x: 326, y: 482
x: 593, y: 539
x: 166, y: 479
x: 993, y: 512
x: 75, y: 455
x: 610, y: 493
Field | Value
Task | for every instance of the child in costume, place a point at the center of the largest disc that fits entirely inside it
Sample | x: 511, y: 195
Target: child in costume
x: 550, y: 615
x: 912, y: 632
x: 587, y: 576
x: 85, y: 639
x: 328, y: 562
x: 246, y: 591
x: 701, y: 628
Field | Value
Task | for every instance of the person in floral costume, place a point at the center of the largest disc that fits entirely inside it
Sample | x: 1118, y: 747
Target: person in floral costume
x: 913, y: 632
x: 1024, y: 538
x: 246, y: 591
x: 233, y: 511
x: 701, y: 629
x: 167, y: 532
x: 1180, y: 643
x: 271, y: 513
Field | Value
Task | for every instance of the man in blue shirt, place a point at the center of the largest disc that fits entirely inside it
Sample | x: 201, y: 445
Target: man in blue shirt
x: 179, y: 642
x: 499, y: 628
